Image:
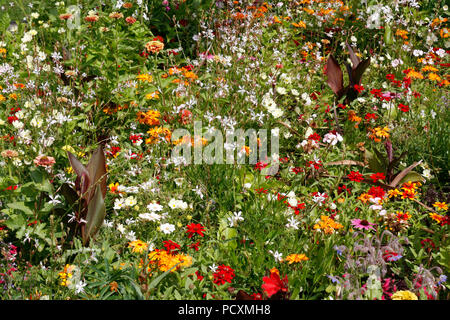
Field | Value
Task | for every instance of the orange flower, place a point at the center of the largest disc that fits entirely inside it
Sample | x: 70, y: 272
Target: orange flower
x: 327, y: 225
x: 365, y: 197
x: 440, y: 206
x: 138, y: 246
x: 296, y: 258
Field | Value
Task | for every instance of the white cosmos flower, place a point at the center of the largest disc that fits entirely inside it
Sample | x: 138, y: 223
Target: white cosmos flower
x: 167, y: 228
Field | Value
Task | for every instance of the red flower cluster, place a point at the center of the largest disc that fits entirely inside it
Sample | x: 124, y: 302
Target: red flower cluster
x: 403, y: 107
x: 223, y: 274
x: 171, y: 246
x: 355, y: 176
x: 377, y: 176
x: 377, y: 192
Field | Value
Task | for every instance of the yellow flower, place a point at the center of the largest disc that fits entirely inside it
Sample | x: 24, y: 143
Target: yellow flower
x: 436, y: 217
x: 440, y: 206
x: 301, y: 24
x: 152, y: 95
x: 327, y: 225
x: 394, y: 193
x: 365, y: 197
x: 382, y: 132
x: 434, y: 77
x: 138, y: 246
x: 295, y: 257
x: 404, y: 295
x: 145, y: 77
x: 154, y: 46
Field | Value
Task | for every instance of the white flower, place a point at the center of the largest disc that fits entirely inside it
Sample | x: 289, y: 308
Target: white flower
x: 130, y: 201
x: 213, y: 268
x: 167, y: 228
x: 332, y: 139
x: 278, y: 256
x: 281, y: 90
x: 118, y: 204
x: 150, y: 216
x: 154, y: 207
x: 79, y: 287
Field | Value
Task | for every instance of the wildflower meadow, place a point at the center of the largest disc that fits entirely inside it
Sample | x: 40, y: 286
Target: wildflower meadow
x: 224, y: 150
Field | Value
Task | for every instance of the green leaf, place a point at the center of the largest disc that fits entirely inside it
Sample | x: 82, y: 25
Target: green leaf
x: 15, y: 222
x: 374, y: 164
x: 21, y: 207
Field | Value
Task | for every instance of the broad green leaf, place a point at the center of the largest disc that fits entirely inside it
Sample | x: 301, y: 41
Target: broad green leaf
x: 403, y: 174
x: 21, y: 207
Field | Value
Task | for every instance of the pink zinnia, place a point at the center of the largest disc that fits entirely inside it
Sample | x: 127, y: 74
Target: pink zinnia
x: 44, y: 161
x: 362, y: 224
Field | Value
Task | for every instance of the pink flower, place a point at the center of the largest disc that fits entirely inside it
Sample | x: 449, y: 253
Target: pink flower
x: 362, y: 224
x: 44, y: 161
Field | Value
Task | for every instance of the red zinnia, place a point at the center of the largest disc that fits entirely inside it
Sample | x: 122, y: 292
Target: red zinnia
x: 403, y: 107
x: 377, y: 192
x: 355, y: 176
x: 194, y: 228
x: 223, y: 274
x: 377, y: 176
x: 171, y: 246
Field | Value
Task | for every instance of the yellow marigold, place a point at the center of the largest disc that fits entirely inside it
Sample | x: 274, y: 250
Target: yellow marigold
x: 151, y: 117
x: 301, y: 24
x: 13, y: 96
x: 138, y: 246
x: 402, y: 34
x: 394, y: 193
x: 382, y: 132
x: 434, y: 77
x: 408, y: 194
x: 429, y: 68
x: 152, y: 95
x: 365, y: 197
x: 2, y: 98
x: 296, y: 258
x: 404, y: 295
x: 165, y: 261
x: 145, y: 77
x: 157, y: 133
x: 414, y: 74
x: 440, y: 206
x: 327, y: 225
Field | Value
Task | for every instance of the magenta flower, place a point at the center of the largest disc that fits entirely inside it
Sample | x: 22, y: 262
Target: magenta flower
x: 362, y: 224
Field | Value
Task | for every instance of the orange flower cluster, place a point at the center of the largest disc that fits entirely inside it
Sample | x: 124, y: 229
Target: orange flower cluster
x: 164, y: 261
x: 150, y: 118
x: 157, y: 133
x: 327, y: 225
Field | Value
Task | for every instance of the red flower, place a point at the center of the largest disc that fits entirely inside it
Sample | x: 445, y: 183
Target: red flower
x: 403, y: 107
x: 371, y: 116
x: 223, y: 274
x: 377, y: 176
x: 194, y: 228
x: 195, y: 245
x: 390, y: 76
x: 274, y: 284
x: 358, y: 88
x: 199, y: 276
x: 314, y: 136
x: 355, y: 176
x: 377, y: 192
x: 171, y: 246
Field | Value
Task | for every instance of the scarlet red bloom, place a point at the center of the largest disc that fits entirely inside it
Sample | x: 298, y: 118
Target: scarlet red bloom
x: 377, y: 176
x: 223, y: 274
x: 314, y: 136
x: 403, y: 107
x: 274, y: 284
x: 358, y: 88
x: 194, y: 228
x: 355, y: 176
x: 171, y: 246
x: 377, y: 192
x: 195, y: 245
x: 371, y: 116
x: 390, y: 76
